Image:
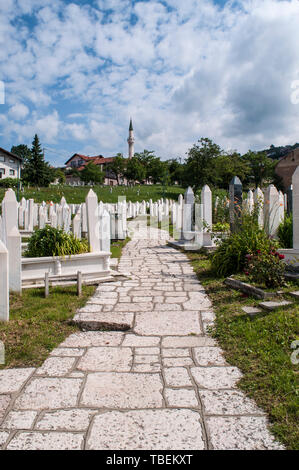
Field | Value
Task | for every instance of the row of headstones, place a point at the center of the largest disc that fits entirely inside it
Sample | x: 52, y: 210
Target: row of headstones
x: 190, y: 218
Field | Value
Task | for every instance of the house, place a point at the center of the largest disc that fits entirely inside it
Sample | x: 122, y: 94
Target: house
x: 10, y: 164
x: 78, y: 162
x: 286, y: 166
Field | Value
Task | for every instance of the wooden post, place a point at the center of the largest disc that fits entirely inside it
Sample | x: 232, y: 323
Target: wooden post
x: 46, y: 284
x: 79, y: 283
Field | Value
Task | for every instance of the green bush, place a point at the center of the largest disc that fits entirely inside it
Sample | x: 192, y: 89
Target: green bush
x: 285, y: 232
x: 230, y: 256
x: 9, y: 182
x: 50, y: 241
x: 266, y: 268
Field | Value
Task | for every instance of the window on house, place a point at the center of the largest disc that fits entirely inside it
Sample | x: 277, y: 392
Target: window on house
x: 11, y: 160
x: 2, y: 158
x: 2, y: 172
x: 12, y: 172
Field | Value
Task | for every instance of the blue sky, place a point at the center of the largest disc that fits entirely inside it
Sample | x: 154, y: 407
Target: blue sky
x: 75, y: 71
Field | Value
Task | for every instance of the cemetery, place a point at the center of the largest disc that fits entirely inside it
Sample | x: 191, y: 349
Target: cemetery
x: 56, y: 258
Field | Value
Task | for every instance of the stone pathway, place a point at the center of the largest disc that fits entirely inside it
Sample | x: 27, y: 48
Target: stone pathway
x: 164, y: 384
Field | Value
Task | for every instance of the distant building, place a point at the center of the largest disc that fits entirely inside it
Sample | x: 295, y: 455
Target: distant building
x: 78, y: 162
x: 286, y: 166
x: 10, y: 164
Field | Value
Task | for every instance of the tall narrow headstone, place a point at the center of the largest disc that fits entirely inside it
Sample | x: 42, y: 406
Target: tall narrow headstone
x: 290, y: 199
x: 9, y: 212
x: 259, y: 205
x: 206, y: 201
x: 104, y: 231
x: 235, y: 203
x: 4, y: 283
x: 14, y: 247
x: 272, y: 214
x: 93, y: 221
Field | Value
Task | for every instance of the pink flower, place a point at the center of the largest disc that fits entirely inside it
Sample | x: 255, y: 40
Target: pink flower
x: 281, y: 257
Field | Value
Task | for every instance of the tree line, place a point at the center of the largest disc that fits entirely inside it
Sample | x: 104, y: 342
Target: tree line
x: 205, y: 163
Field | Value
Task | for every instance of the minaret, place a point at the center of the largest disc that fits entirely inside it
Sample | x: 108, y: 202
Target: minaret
x: 131, y: 140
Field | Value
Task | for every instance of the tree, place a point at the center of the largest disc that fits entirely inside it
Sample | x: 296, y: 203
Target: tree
x: 135, y: 171
x: 199, y: 166
x: 226, y: 166
x: 36, y: 171
x: 261, y: 167
x: 22, y: 151
x: 176, y: 171
x: 92, y: 173
x: 118, y: 166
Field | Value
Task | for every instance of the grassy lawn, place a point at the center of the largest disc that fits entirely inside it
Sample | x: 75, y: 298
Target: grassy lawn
x: 38, y: 325
x: 261, y: 348
x: 117, y: 246
x: 76, y: 195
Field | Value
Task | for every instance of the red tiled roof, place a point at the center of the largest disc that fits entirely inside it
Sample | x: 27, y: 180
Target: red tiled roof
x: 98, y: 159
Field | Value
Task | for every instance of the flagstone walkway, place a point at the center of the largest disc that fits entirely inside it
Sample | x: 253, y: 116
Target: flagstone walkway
x: 164, y: 384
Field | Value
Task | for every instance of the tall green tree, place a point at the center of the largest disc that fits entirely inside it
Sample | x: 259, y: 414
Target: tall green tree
x: 226, y: 166
x: 261, y: 168
x: 22, y: 151
x: 118, y: 166
x: 199, y: 165
x: 92, y: 173
x: 36, y: 170
x: 135, y: 170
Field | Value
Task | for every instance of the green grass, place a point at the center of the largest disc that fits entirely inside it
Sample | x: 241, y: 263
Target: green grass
x: 117, y: 246
x: 261, y: 348
x: 76, y: 195
x: 37, y: 325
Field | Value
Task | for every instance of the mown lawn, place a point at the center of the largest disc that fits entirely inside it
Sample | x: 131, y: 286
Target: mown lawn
x: 76, y: 195
x: 117, y: 246
x: 37, y: 325
x: 261, y: 348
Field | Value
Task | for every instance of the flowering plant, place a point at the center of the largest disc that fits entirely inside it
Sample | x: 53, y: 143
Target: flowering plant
x: 265, y: 268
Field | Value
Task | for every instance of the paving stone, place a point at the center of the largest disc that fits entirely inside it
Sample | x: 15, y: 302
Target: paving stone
x: 147, y: 359
x: 149, y: 351
x: 207, y: 356
x: 208, y: 316
x: 56, y: 366
x: 45, y: 393
x: 112, y: 320
x: 143, y: 341
x: 177, y: 377
x: 104, y: 359
x: 90, y: 308
x: 167, y: 307
x: 177, y: 361
x: 67, y: 352
x: 181, y: 398
x: 142, y: 299
x: 136, y: 307
x: 187, y: 341
x: 11, y: 380
x: 150, y: 367
x: 93, y: 338
x: 106, y: 288
x: 19, y: 420
x: 177, y: 352
x: 68, y: 420
x: 122, y: 390
x: 47, y: 441
x: 174, y: 300
x: 147, y: 430
x: 170, y: 323
x: 228, y: 402
x: 241, y: 433
x: 4, y: 403
x: 251, y: 311
x: 3, y: 437
x: 216, y: 377
x: 274, y: 305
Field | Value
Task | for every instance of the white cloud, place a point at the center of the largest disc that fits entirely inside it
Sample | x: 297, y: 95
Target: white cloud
x: 19, y: 111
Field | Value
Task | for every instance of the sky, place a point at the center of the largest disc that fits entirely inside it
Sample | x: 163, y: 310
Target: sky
x: 75, y: 71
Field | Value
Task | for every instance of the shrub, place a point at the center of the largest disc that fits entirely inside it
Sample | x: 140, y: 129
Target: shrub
x: 51, y: 241
x: 9, y: 183
x: 230, y: 257
x: 266, y: 268
x: 285, y: 232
